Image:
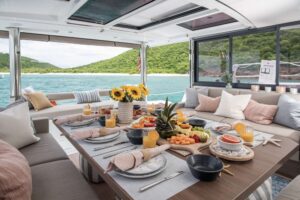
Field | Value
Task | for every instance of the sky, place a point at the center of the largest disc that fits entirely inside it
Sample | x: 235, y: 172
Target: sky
x: 64, y: 55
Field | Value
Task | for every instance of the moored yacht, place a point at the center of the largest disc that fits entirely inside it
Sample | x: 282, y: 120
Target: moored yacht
x: 234, y: 134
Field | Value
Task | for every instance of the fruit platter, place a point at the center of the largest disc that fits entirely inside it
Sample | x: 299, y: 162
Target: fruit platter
x: 144, y: 122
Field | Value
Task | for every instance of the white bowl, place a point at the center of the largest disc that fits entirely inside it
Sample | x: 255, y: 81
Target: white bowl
x: 229, y: 146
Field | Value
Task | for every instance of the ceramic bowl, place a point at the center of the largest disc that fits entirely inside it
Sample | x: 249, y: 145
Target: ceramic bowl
x: 101, y: 120
x: 229, y: 146
x: 204, y: 167
x: 197, y: 122
x: 135, y: 136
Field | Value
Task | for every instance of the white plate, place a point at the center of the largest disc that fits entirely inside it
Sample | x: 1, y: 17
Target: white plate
x: 104, y: 139
x: 80, y: 123
x: 150, y: 168
x: 145, y: 128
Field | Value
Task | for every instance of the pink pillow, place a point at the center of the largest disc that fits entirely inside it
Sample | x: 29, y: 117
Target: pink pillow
x: 260, y: 113
x: 207, y: 104
x: 15, y: 174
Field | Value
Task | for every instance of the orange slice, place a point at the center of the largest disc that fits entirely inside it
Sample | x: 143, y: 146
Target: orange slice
x: 239, y: 127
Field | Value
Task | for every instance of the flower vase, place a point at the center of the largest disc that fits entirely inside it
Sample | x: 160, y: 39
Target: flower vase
x: 125, y: 112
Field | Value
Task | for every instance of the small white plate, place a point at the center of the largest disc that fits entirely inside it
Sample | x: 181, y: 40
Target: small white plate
x: 80, y: 123
x: 104, y: 139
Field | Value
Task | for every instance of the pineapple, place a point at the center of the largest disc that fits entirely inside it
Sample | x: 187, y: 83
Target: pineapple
x: 165, y: 124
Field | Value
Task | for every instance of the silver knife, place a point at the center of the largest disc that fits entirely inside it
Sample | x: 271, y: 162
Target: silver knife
x: 118, y: 152
x: 114, y: 150
x: 142, y: 189
x: 111, y: 145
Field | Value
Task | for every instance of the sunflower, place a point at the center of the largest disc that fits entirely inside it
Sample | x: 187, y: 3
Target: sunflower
x: 117, y: 94
x: 125, y: 87
x: 143, y: 89
x: 135, y: 92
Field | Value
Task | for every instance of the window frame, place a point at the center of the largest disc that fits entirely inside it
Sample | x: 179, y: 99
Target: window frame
x: 230, y: 35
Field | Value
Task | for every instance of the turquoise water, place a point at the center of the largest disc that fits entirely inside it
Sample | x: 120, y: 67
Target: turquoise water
x: 69, y: 83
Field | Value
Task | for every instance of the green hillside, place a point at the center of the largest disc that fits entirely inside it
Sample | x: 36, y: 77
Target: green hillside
x: 28, y: 65
x: 165, y: 59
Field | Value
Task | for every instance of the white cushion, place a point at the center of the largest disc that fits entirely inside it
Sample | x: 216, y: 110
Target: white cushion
x: 233, y: 105
x: 16, y: 126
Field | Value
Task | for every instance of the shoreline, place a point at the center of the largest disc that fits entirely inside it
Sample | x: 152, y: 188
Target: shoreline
x: 96, y: 74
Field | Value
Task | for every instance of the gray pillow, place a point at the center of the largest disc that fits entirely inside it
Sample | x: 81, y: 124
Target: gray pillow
x: 192, y: 96
x: 87, y: 96
x: 288, y: 113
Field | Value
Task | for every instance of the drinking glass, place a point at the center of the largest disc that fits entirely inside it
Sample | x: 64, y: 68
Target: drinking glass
x: 248, y: 136
x: 148, y: 142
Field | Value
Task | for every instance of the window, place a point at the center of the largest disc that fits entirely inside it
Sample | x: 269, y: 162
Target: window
x: 105, y: 11
x: 290, y: 55
x: 4, y: 69
x: 208, y: 21
x: 247, y: 53
x: 213, y: 59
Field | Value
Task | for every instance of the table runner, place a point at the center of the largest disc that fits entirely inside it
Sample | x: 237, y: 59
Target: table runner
x: 131, y: 186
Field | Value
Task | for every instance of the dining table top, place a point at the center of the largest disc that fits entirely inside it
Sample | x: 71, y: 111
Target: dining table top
x: 248, y: 175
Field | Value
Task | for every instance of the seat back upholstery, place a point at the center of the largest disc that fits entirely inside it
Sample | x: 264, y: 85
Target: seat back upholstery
x: 270, y: 98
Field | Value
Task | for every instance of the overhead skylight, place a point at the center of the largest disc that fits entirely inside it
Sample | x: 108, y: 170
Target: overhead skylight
x: 105, y: 11
x: 208, y: 21
x: 186, y: 10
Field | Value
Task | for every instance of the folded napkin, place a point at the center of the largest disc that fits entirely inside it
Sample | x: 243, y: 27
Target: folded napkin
x: 95, y: 132
x: 133, y: 159
x: 74, y: 118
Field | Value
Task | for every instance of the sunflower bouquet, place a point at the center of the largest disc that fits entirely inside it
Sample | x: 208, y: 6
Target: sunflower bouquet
x: 128, y: 93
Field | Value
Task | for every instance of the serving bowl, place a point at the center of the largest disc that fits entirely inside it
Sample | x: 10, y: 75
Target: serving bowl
x: 197, y: 122
x: 135, y: 136
x: 204, y: 167
x: 229, y: 146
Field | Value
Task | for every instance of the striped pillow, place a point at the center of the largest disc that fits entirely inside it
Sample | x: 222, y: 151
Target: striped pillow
x: 263, y: 192
x: 87, y: 96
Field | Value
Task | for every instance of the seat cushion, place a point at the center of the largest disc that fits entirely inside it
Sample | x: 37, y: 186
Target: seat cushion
x: 46, y: 150
x: 292, y: 191
x: 274, y: 129
x: 66, y: 109
x: 59, y: 180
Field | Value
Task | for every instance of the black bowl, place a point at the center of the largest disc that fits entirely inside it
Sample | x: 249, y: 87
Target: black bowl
x: 197, y: 122
x: 135, y: 136
x: 204, y: 167
x: 136, y: 107
x: 101, y: 120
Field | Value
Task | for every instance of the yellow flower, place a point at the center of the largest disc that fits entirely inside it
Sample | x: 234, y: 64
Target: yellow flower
x: 144, y: 89
x: 117, y: 94
x: 135, y: 92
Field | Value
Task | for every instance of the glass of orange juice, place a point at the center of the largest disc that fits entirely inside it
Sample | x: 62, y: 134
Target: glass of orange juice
x: 148, y: 142
x: 248, y: 135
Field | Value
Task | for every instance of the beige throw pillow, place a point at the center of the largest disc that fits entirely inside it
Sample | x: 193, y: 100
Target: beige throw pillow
x: 15, y: 174
x: 16, y: 126
x: 39, y: 100
x: 260, y: 113
x: 232, y: 106
x: 207, y: 104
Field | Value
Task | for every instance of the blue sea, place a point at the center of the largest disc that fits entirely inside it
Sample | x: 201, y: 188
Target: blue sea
x: 161, y: 86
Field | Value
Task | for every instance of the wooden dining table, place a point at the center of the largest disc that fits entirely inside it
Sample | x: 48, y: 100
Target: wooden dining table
x: 248, y: 176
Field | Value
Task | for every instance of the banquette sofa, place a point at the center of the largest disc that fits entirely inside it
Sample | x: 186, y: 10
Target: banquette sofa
x: 270, y: 98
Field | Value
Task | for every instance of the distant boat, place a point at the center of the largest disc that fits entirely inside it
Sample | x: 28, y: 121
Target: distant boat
x: 1, y: 76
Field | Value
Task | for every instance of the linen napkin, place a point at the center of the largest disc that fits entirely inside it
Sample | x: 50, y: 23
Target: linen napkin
x: 95, y: 132
x: 133, y: 159
x: 74, y: 118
